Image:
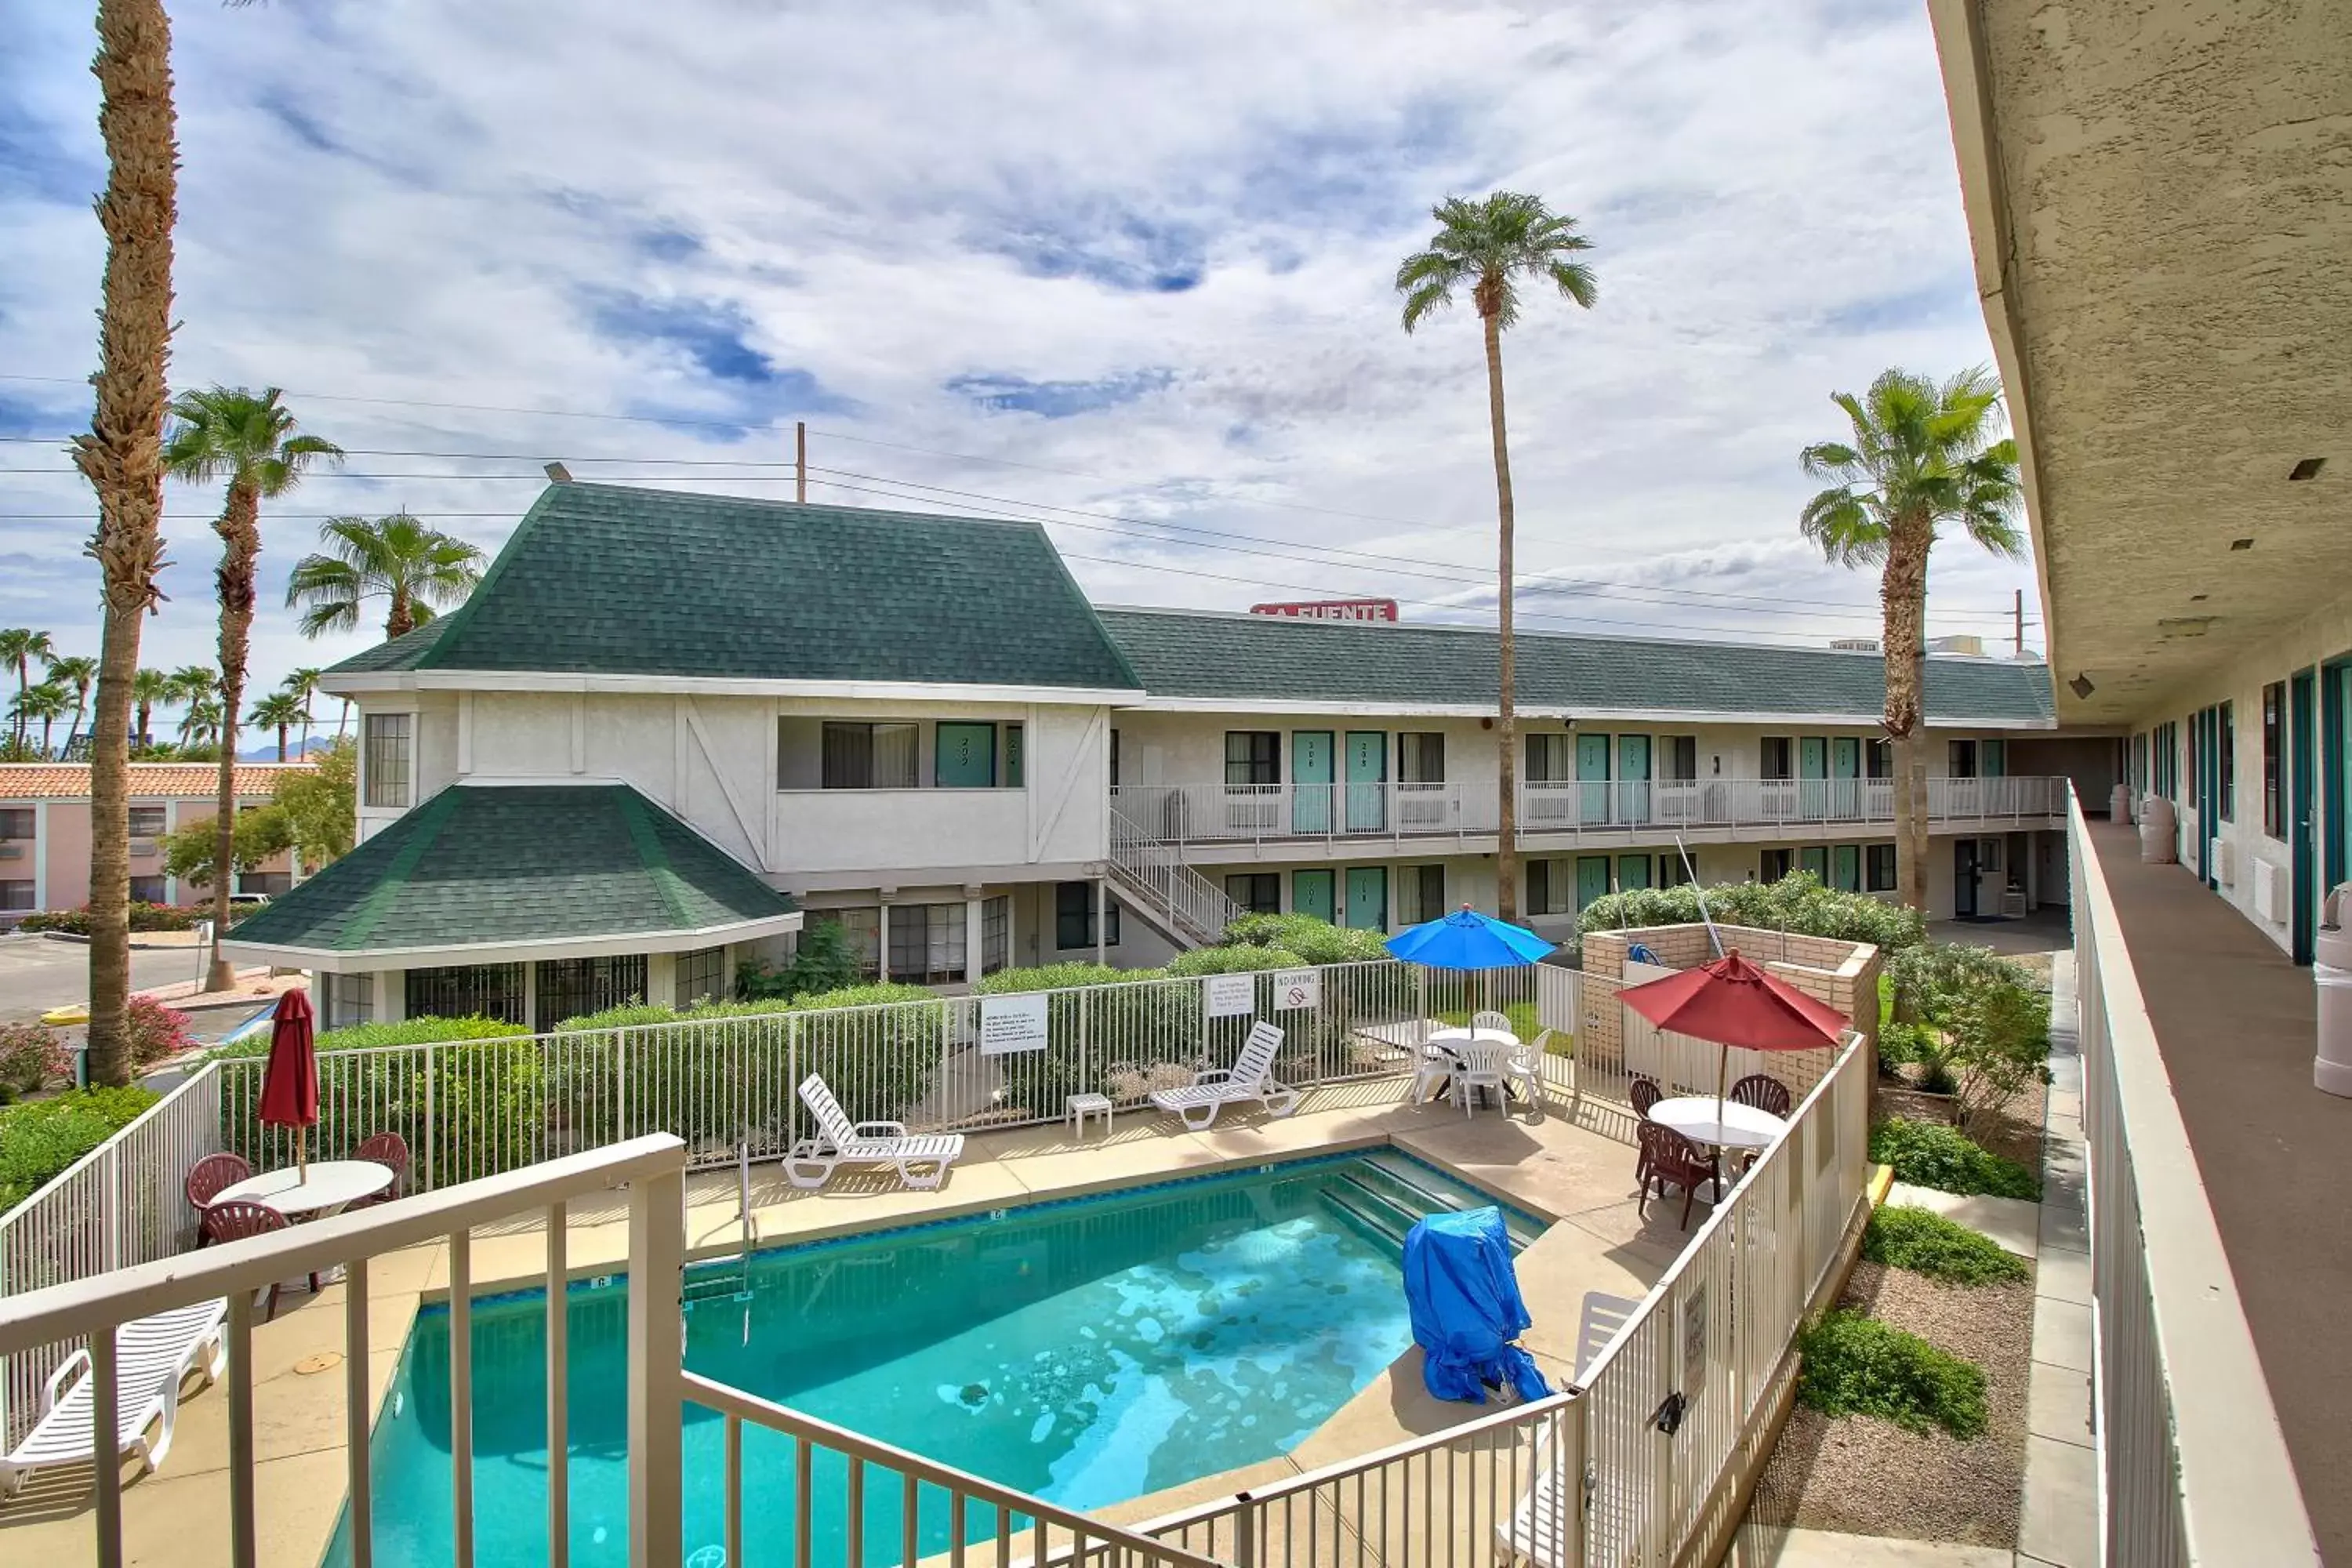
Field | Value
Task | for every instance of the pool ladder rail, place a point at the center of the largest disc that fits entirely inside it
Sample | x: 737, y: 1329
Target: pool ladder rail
x: 728, y: 1278
x: 1384, y: 1203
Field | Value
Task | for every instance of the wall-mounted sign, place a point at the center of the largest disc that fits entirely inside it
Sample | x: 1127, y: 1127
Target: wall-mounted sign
x: 1010, y: 1023
x: 1229, y: 996
x: 1296, y: 989
x: 1331, y: 610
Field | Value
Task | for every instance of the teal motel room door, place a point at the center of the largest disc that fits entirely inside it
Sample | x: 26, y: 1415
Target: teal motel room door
x: 1593, y: 777
x: 1367, y: 773
x: 1632, y: 778
x: 1310, y: 781
x: 1845, y: 775
x: 1367, y: 898
x: 1592, y: 880
x: 1812, y: 776
x: 1310, y: 894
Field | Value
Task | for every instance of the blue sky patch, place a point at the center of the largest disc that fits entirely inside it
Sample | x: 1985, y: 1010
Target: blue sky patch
x: 1057, y: 399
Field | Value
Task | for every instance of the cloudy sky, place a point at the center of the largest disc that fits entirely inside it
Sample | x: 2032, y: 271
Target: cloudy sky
x: 1125, y: 269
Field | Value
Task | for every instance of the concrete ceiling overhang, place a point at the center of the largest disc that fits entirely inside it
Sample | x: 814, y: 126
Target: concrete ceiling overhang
x: 2159, y: 198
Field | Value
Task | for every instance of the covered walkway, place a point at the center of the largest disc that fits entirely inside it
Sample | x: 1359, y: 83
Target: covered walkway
x: 2234, y: 1019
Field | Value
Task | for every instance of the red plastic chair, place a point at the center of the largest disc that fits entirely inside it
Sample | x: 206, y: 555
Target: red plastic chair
x: 1643, y: 1094
x: 207, y: 1179
x: 236, y: 1219
x: 382, y: 1149
x: 1764, y: 1092
x: 1669, y: 1159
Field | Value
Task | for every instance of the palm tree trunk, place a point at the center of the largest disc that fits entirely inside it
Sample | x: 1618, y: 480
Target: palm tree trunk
x: 343, y: 720
x: 240, y: 531
x: 1902, y: 601
x: 23, y: 684
x: 146, y: 712
x: 1507, y: 840
x: 401, y: 620
x: 281, y: 743
x: 122, y: 459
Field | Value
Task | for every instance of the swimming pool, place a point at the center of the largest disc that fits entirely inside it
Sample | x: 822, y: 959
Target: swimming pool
x: 1088, y: 1351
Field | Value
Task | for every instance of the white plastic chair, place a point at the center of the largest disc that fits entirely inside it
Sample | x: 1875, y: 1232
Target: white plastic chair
x: 151, y: 1358
x: 921, y: 1160
x: 1481, y: 1064
x: 1250, y: 1078
x: 1524, y: 1065
x: 1490, y: 1019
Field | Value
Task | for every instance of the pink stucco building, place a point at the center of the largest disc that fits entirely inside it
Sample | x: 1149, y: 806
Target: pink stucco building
x: 44, y: 831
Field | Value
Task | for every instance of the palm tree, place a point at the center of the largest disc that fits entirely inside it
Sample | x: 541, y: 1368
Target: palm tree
x: 302, y: 686
x: 190, y: 685
x: 1921, y: 456
x: 229, y: 433
x: 20, y: 645
x: 76, y: 670
x: 420, y: 570
x: 148, y: 688
x: 1488, y: 246
x: 277, y: 711
x: 201, y: 724
x: 121, y: 457
x: 49, y: 701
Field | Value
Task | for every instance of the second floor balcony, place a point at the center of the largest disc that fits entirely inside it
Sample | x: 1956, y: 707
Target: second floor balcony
x: 1576, y: 812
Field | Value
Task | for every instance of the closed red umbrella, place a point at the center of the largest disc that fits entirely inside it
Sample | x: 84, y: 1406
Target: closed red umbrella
x: 1733, y: 1002
x: 289, y: 1086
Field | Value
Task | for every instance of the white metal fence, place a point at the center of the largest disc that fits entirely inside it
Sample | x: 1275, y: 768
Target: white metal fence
x: 2193, y: 1468
x: 120, y: 1205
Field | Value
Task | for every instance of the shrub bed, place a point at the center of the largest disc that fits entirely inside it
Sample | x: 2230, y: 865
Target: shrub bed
x: 1926, y: 1155
x: 1797, y: 902
x: 143, y: 917
x: 1856, y: 1366
x: 39, y: 1140
x: 1925, y: 1242
x: 32, y: 1056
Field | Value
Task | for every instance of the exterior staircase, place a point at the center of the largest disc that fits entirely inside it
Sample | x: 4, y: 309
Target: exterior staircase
x: 1151, y: 879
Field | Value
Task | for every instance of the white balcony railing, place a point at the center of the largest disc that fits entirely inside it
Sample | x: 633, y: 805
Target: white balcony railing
x: 1230, y: 814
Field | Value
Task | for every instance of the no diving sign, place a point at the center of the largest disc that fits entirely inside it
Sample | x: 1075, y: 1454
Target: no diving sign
x: 1297, y: 988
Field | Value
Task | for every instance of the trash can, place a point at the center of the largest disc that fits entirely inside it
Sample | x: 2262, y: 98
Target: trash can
x: 2156, y: 839
x: 2119, y: 804
x: 2331, y: 972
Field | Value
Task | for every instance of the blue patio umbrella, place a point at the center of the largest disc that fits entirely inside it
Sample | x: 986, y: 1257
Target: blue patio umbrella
x: 1468, y: 940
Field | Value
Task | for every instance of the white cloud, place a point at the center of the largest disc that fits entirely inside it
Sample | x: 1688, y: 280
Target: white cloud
x: 727, y: 211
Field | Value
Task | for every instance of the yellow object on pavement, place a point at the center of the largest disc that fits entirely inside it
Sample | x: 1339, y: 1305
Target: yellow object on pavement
x: 71, y: 1013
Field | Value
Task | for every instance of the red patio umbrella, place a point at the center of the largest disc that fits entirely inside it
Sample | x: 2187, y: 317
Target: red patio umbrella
x: 1733, y: 1002
x: 289, y: 1085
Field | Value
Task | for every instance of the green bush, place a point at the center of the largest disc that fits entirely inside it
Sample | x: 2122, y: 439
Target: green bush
x: 1522, y: 1015
x: 42, y: 1139
x: 32, y: 1055
x: 1901, y: 1043
x: 1925, y: 1242
x: 1235, y: 961
x: 1059, y: 977
x: 143, y: 917
x: 1314, y: 941
x: 1797, y: 902
x: 822, y: 961
x: 1928, y: 1154
x: 423, y: 1030
x: 1856, y: 1366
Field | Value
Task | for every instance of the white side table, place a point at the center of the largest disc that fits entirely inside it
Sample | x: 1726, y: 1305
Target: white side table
x: 1079, y: 1107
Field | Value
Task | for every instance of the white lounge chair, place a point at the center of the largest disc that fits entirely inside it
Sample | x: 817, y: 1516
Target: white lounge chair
x: 1250, y: 1078
x: 922, y: 1160
x: 1538, y: 1529
x: 151, y: 1358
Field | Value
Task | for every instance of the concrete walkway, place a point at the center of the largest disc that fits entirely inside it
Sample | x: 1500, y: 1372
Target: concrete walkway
x: 2059, y: 1525
x: 1540, y: 1160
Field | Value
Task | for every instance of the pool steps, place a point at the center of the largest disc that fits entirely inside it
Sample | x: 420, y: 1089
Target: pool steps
x: 1381, y: 1200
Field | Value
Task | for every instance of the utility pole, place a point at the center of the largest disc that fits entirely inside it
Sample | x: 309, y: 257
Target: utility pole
x: 2019, y: 635
x: 799, y: 469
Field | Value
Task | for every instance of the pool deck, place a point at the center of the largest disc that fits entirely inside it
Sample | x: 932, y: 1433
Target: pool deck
x: 1559, y: 1170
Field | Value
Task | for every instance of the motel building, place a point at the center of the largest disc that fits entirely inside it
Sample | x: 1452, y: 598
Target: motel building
x: 668, y: 729
x: 44, y: 832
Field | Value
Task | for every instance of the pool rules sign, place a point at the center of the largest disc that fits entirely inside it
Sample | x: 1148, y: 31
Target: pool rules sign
x: 1011, y: 1024
x: 1229, y: 996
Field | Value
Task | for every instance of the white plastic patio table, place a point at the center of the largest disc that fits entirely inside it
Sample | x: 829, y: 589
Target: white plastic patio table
x: 1741, y: 1127
x: 1442, y: 1041
x: 331, y: 1186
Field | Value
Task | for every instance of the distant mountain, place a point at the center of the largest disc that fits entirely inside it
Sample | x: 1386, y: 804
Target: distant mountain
x: 266, y: 752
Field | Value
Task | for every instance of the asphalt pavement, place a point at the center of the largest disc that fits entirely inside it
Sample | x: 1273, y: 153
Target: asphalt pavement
x: 38, y: 973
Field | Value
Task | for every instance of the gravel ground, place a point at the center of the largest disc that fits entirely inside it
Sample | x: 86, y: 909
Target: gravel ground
x: 1867, y: 1477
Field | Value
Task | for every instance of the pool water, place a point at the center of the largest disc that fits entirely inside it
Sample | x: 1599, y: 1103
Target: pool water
x: 1087, y: 1352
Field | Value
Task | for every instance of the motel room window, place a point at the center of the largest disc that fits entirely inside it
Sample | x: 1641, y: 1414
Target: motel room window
x: 569, y: 987
x: 1073, y: 916
x: 1550, y: 886
x: 1253, y: 757
x: 701, y: 977
x: 1778, y: 863
x: 2226, y: 759
x: 16, y: 894
x: 264, y: 884
x: 995, y: 933
x: 2273, y: 735
x: 346, y: 999
x: 1420, y: 893
x: 1114, y: 759
x: 862, y: 930
x: 1421, y: 757
x: 1878, y: 868
x: 146, y: 890
x: 385, y: 744
x: 1776, y: 758
x: 16, y: 822
x: 870, y: 756
x: 146, y: 821
x: 1961, y: 760
x: 1259, y: 892
x: 468, y: 991
x: 1878, y: 759
x: 1672, y: 872
x: 926, y: 944
x: 1679, y: 759
x: 1551, y: 758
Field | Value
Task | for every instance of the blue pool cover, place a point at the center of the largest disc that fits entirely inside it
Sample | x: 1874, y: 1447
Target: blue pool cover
x: 1465, y: 1307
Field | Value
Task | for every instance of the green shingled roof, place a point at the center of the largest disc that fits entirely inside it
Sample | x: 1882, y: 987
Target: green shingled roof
x: 547, y: 863
x: 1270, y: 659
x: 612, y: 579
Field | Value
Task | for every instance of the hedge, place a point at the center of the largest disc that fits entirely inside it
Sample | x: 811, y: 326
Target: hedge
x: 1797, y: 902
x: 40, y: 1140
x: 1929, y: 1154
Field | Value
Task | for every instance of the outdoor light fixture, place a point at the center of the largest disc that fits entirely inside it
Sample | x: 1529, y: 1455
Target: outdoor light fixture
x: 2080, y: 686
x: 2308, y: 469
x: 2241, y: 544
x: 558, y: 474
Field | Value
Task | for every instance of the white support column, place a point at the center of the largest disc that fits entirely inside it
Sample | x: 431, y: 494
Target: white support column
x: 656, y: 1265
x: 390, y: 996
x: 972, y: 939
x: 661, y: 978
x: 882, y: 942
